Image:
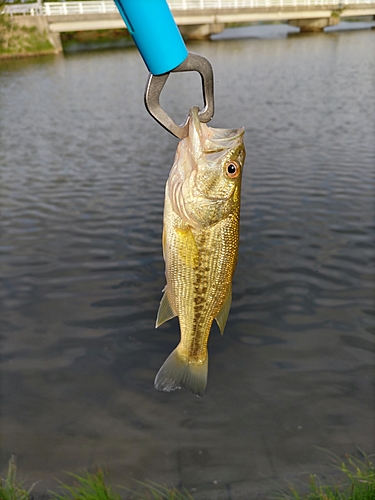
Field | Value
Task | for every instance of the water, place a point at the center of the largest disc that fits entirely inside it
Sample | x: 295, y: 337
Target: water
x: 83, y: 169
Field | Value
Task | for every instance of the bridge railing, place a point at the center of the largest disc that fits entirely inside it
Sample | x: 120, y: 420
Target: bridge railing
x: 108, y: 6
x: 22, y: 9
x: 238, y: 4
x: 85, y: 7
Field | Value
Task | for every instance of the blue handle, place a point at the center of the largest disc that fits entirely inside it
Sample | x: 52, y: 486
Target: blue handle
x: 155, y: 33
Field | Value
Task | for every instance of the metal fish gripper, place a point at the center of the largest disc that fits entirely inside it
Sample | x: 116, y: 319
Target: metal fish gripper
x: 155, y: 84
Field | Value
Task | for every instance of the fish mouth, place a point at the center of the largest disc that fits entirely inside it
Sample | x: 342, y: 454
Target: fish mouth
x: 211, y: 140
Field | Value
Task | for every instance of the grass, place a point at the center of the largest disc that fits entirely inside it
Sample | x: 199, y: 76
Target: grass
x: 88, y: 486
x: 357, y: 483
x: 10, y: 489
x: 15, y: 39
x: 92, y: 486
x: 154, y: 491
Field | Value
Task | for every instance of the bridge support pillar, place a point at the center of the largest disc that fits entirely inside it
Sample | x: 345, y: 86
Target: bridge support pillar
x: 55, y: 39
x: 200, y: 31
x: 41, y: 24
x: 314, y: 25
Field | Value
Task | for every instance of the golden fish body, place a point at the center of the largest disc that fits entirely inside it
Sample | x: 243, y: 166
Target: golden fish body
x: 200, y: 246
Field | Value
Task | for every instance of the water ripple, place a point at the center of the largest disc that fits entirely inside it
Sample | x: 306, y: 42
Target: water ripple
x: 83, y: 169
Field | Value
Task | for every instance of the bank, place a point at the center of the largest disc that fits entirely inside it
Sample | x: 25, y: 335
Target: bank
x: 21, y: 41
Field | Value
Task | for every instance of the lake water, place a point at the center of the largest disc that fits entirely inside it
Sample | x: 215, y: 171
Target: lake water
x: 83, y: 170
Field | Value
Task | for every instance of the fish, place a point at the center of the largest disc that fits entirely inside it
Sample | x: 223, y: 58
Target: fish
x: 200, y: 246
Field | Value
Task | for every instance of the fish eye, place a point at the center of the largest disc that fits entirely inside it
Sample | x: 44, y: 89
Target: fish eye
x: 232, y: 169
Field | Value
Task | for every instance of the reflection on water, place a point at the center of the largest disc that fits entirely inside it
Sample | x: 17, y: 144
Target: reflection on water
x: 83, y: 169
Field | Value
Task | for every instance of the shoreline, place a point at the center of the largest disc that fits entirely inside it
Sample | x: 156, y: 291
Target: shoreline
x: 21, y: 55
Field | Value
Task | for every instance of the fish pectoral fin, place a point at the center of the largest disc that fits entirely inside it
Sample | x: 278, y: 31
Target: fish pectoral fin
x: 165, y: 312
x: 221, y: 318
x: 186, y: 246
x: 178, y: 372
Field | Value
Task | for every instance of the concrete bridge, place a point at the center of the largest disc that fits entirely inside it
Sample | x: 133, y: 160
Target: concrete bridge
x: 196, y: 19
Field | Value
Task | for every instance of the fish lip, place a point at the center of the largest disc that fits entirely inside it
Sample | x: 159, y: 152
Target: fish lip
x: 217, y: 135
x: 210, y: 139
x: 194, y: 118
x: 237, y: 134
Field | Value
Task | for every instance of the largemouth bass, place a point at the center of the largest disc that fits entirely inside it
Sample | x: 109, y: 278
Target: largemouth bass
x: 200, y: 246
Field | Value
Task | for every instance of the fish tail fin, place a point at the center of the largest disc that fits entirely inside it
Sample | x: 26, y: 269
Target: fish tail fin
x: 177, y: 372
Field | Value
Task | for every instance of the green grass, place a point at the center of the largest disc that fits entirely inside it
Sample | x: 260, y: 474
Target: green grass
x: 10, y: 489
x: 92, y: 486
x: 154, y: 491
x: 15, y: 39
x: 357, y: 483
x: 88, y: 486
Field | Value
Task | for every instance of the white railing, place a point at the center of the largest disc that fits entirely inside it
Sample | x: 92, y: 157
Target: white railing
x: 100, y: 7
x: 240, y: 4
x: 22, y: 9
x: 85, y: 7
x: 108, y: 6
x: 176, y: 5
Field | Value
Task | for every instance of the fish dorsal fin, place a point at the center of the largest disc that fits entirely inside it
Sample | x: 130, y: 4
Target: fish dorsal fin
x: 165, y: 312
x: 221, y: 318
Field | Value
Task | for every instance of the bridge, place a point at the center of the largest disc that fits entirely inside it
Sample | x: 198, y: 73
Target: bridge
x: 196, y: 19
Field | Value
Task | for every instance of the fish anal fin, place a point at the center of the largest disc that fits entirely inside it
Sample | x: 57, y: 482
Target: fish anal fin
x: 178, y: 372
x: 221, y: 318
x: 165, y: 312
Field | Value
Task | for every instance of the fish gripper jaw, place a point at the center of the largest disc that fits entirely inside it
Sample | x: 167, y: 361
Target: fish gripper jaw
x: 155, y: 84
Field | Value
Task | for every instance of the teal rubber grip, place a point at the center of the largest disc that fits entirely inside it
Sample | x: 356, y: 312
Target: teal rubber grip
x: 155, y: 33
